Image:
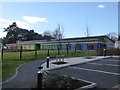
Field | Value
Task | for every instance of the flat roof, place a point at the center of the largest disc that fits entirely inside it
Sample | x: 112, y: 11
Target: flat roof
x: 76, y: 39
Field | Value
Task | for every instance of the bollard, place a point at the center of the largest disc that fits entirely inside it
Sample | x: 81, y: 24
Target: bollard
x: 47, y: 61
x: 39, y: 78
x: 104, y: 52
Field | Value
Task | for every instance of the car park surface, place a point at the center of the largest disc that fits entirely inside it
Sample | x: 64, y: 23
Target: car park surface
x: 104, y: 72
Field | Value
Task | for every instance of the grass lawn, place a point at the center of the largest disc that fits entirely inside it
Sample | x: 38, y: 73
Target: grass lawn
x: 9, y: 68
x: 0, y: 71
x: 11, y: 59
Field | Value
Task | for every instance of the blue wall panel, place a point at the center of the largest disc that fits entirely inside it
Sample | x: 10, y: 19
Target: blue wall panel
x: 98, y: 45
x: 73, y: 46
x: 69, y: 46
x: 95, y: 46
x: 84, y: 46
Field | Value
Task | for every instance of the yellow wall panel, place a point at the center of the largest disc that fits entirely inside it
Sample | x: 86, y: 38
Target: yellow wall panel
x: 23, y: 47
x: 18, y: 47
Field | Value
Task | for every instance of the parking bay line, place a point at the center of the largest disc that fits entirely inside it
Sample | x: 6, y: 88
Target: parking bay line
x: 111, y: 60
x: 95, y: 70
x: 104, y: 64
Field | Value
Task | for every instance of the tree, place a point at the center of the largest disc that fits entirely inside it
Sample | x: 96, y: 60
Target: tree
x: 58, y: 33
x: 15, y: 34
x: 11, y: 36
x: 113, y: 36
x: 11, y: 27
x: 47, y: 33
x: 87, y: 33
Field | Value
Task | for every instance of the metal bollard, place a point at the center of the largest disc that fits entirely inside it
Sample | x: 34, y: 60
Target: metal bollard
x: 104, y: 52
x: 39, y: 78
x: 47, y: 61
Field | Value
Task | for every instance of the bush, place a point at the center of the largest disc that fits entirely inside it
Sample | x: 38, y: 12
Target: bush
x: 89, y: 57
x: 54, y: 80
x: 113, y: 51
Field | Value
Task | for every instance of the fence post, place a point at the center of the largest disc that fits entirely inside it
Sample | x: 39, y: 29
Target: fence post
x: 20, y: 52
x: 75, y: 48
x: 58, y: 49
x: 2, y: 54
x: 35, y: 52
x: 67, y: 48
x: 39, y: 78
x: 48, y: 52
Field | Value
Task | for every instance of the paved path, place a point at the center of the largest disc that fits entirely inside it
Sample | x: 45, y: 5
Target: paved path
x: 26, y: 76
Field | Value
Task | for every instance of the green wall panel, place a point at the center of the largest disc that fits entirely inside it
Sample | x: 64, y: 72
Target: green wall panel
x: 55, y: 46
x: 64, y: 46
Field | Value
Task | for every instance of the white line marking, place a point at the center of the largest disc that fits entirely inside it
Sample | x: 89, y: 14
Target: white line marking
x: 95, y: 70
x: 105, y: 64
x: 111, y: 60
x: 112, y: 65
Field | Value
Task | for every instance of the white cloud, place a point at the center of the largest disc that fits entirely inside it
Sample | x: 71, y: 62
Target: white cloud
x: 5, y: 23
x: 3, y: 34
x: 30, y: 19
x: 39, y: 32
x: 23, y: 25
x: 101, y: 6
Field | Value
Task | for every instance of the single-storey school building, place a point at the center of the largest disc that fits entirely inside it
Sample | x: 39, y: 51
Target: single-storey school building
x: 79, y: 43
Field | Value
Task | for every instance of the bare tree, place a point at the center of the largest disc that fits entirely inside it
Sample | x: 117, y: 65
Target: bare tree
x: 113, y: 36
x: 58, y: 34
x: 47, y: 33
x: 87, y: 33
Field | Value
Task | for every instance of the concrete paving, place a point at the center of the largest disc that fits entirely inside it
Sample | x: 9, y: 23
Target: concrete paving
x: 117, y: 86
x: 70, y: 61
